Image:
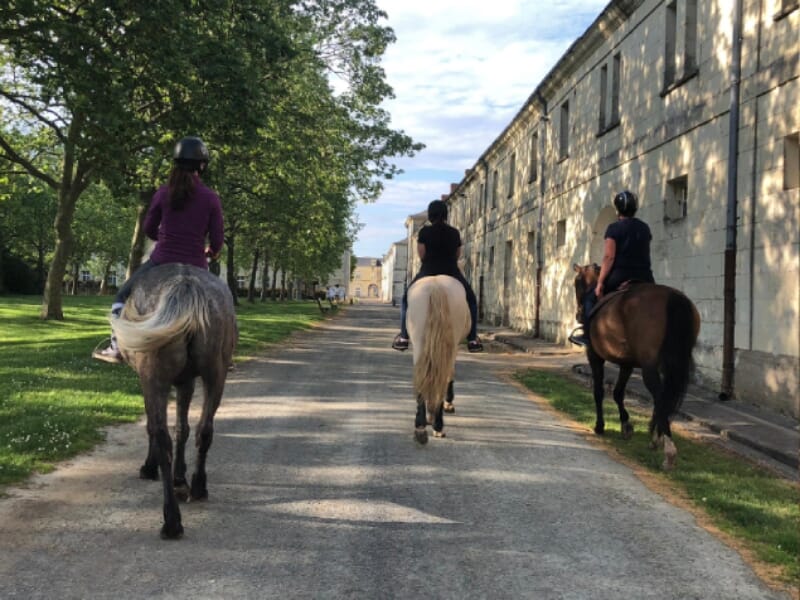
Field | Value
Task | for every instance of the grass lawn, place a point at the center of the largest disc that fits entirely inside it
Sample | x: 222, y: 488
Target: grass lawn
x: 760, y: 510
x: 54, y: 399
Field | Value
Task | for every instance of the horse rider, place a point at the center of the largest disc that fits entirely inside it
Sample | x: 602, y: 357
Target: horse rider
x: 626, y: 257
x: 439, y: 248
x: 182, y: 213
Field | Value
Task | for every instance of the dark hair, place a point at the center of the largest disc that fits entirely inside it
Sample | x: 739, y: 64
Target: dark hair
x: 437, y: 211
x: 181, y: 186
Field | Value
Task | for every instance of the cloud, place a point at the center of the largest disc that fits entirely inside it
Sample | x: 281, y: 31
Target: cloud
x: 461, y: 69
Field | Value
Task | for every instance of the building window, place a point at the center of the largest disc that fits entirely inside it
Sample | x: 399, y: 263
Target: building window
x: 482, y: 198
x: 603, y: 94
x: 670, y: 34
x: 112, y: 278
x: 85, y: 275
x: 791, y: 161
x: 531, y: 246
x: 616, y: 72
x: 534, y: 157
x: 676, y: 200
x: 495, y: 185
x: 561, y: 233
x: 680, y: 63
x: 491, y: 257
x: 241, y: 282
x: 564, y: 131
x: 512, y: 167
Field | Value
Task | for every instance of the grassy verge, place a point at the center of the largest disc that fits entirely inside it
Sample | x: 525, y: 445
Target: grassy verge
x: 748, y: 503
x: 54, y: 399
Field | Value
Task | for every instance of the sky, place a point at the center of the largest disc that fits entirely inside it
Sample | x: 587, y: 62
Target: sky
x: 461, y: 70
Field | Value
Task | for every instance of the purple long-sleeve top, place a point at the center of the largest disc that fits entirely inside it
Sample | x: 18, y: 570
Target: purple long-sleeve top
x: 180, y: 235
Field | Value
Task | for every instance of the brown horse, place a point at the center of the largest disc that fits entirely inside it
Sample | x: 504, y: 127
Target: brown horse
x: 178, y: 324
x: 647, y: 326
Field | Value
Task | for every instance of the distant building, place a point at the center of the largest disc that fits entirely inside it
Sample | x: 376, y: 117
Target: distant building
x: 393, y: 273
x: 366, y: 283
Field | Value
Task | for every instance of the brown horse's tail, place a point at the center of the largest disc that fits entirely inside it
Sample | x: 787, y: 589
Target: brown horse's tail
x: 675, y: 358
x: 432, y: 369
x: 182, y: 309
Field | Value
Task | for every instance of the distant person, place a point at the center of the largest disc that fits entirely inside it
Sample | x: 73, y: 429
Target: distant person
x: 439, y: 248
x: 626, y: 257
x: 331, y: 293
x: 182, y: 214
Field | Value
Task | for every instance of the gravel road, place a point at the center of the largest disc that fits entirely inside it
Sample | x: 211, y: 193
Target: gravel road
x: 317, y: 490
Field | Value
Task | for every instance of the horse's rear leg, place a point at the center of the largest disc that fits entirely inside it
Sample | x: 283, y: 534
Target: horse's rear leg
x: 619, y: 397
x: 213, y: 384
x: 448, y: 403
x: 155, y: 401
x: 421, y: 422
x: 596, y: 364
x: 438, y: 422
x: 184, y: 399
x: 659, y: 423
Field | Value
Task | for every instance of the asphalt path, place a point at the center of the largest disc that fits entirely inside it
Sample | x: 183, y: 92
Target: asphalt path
x: 317, y: 490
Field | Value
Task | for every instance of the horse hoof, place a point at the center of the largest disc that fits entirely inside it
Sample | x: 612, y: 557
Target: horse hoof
x: 627, y: 431
x: 172, y: 532
x: 421, y: 435
x: 449, y: 408
x: 148, y: 472
x: 439, y: 434
x: 668, y: 464
x: 600, y: 429
x: 182, y: 491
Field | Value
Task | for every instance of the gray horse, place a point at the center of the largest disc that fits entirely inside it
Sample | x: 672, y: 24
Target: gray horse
x: 178, y: 324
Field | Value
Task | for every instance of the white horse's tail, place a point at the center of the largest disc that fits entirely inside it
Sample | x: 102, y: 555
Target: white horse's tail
x: 182, y: 310
x: 432, y: 371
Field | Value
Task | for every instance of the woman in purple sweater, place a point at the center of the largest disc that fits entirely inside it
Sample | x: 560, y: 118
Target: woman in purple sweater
x: 182, y: 214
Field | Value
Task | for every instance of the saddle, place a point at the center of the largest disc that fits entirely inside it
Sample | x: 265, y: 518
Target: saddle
x: 624, y: 287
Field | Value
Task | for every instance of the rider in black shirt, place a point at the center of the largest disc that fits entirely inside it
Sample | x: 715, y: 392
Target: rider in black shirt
x: 439, y: 247
x: 626, y: 256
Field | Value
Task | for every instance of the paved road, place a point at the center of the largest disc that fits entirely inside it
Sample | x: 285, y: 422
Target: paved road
x: 318, y: 491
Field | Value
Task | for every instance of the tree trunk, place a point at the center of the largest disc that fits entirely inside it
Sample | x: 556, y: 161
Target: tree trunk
x: 283, y: 284
x: 231, y: 270
x: 40, y: 270
x: 139, y: 238
x: 265, y: 277
x: 76, y: 271
x: 274, y: 281
x: 2, y: 280
x: 104, y: 283
x: 251, y: 290
x: 52, y: 301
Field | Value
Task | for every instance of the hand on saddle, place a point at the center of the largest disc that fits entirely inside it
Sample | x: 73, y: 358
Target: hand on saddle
x: 598, y: 291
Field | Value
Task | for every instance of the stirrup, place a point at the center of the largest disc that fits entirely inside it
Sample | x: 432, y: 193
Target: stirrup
x: 578, y: 339
x: 400, y: 343
x: 108, y: 354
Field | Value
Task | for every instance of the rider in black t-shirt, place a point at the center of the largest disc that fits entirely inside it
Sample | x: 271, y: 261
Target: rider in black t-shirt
x: 626, y: 256
x: 439, y: 248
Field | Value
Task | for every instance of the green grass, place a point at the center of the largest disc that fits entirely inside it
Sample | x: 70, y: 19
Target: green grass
x: 750, y: 504
x: 55, y: 400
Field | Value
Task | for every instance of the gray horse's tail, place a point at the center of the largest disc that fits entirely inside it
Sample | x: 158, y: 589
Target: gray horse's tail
x: 432, y: 372
x: 182, y: 310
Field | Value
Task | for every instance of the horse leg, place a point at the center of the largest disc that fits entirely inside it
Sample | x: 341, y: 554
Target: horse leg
x: 155, y: 401
x: 213, y: 385
x: 438, y: 422
x: 149, y: 470
x: 659, y: 423
x: 184, y: 398
x: 421, y: 422
x: 596, y: 364
x: 448, y: 403
x: 619, y: 397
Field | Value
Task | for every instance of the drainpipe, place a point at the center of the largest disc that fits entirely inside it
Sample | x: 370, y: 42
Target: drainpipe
x: 540, y: 220
x: 485, y: 215
x: 729, y: 290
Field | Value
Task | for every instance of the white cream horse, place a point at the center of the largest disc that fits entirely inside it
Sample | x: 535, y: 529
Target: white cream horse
x: 438, y: 319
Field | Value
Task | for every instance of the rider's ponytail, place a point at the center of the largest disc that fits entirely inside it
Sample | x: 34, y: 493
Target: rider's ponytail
x: 181, y: 186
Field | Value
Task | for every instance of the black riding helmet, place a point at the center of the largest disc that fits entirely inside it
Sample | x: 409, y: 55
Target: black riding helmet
x: 626, y: 203
x: 191, y: 154
x: 437, y: 211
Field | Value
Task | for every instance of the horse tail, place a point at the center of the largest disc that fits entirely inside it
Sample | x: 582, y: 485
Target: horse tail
x: 182, y: 310
x: 675, y: 357
x: 432, y: 371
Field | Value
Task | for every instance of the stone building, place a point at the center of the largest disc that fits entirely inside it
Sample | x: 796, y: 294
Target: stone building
x: 647, y: 99
x: 366, y: 281
x: 393, y: 273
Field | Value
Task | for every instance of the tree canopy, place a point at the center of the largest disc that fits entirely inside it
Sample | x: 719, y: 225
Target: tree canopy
x: 287, y: 95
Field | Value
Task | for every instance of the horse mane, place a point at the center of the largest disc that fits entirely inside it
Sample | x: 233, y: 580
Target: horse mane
x: 182, y: 310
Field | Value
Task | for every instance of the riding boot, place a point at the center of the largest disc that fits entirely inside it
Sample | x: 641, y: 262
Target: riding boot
x: 111, y: 353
